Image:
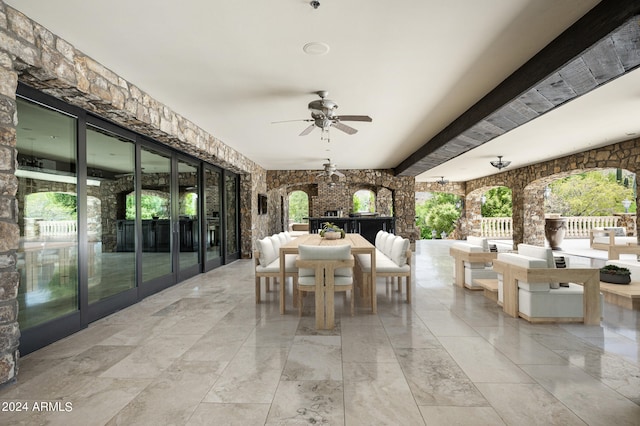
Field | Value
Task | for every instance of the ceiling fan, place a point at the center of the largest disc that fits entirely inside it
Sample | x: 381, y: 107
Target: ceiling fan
x: 330, y: 170
x: 323, y: 115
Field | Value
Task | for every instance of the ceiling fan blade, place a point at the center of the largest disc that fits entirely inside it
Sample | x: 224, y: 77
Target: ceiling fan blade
x: 307, y: 130
x: 354, y: 118
x: 289, y: 121
x: 347, y: 129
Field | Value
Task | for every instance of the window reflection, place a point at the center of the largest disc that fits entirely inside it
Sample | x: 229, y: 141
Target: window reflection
x: 47, y: 203
x: 156, y: 215
x: 110, y: 161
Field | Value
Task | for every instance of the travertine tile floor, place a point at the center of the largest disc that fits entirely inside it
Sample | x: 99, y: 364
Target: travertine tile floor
x: 202, y: 353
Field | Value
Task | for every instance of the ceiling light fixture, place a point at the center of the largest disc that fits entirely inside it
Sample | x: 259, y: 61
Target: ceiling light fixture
x: 500, y: 164
x: 316, y: 48
x: 315, y: 4
x: 442, y: 181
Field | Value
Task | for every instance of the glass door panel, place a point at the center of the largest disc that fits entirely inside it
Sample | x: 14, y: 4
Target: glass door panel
x: 47, y: 258
x: 189, y: 225
x: 155, y: 212
x: 111, y: 214
x: 213, y: 203
x: 232, y: 216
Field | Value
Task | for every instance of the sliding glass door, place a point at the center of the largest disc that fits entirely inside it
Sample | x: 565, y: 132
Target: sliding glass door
x: 232, y: 216
x: 188, y: 224
x: 107, y: 218
x: 47, y: 258
x: 212, y: 204
x: 158, y: 268
x: 111, y: 215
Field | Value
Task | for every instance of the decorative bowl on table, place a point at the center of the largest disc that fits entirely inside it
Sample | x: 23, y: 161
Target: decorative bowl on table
x: 330, y: 231
x: 332, y: 235
x: 615, y: 275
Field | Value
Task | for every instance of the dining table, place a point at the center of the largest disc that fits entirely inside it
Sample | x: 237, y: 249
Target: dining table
x: 359, y: 245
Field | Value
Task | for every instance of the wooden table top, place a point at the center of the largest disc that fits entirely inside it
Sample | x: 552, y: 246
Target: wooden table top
x: 357, y: 242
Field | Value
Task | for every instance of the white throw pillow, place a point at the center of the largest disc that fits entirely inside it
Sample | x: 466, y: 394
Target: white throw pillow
x: 267, y: 253
x: 275, y: 240
x: 380, y: 243
x: 399, y: 251
x: 388, y: 243
x: 479, y: 241
x: 283, y: 238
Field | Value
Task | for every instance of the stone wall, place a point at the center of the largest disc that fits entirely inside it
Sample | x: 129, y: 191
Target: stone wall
x: 527, y: 185
x: 394, y: 194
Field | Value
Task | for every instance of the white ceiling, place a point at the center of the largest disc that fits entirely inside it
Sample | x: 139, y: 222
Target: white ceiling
x: 414, y: 66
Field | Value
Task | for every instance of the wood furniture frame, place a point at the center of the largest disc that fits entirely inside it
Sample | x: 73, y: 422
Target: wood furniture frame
x: 627, y: 296
x: 613, y: 250
x: 459, y: 257
x: 359, y: 245
x: 588, y: 277
x: 368, y: 284
x: 275, y: 275
x: 490, y: 288
x: 325, y: 288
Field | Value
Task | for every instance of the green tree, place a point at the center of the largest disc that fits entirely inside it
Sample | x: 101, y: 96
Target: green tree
x: 51, y: 206
x: 498, y: 203
x: 150, y: 206
x: 439, y: 213
x: 298, y: 206
x: 593, y: 193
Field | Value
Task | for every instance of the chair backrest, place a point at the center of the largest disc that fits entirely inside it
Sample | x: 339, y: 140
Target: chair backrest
x: 307, y: 252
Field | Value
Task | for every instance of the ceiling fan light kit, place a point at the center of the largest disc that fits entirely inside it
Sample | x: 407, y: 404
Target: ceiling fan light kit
x: 499, y: 164
x: 323, y: 115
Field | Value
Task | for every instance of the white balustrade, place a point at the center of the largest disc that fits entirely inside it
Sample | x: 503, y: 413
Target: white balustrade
x: 57, y: 228
x: 497, y: 227
x: 577, y: 226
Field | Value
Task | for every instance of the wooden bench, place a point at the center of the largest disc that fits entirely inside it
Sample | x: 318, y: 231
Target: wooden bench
x: 627, y: 296
x: 489, y: 287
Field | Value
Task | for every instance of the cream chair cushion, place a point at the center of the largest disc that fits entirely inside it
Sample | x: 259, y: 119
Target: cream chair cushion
x: 343, y: 276
x: 267, y: 253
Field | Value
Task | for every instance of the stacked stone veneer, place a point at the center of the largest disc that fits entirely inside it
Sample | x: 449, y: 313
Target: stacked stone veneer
x: 395, y: 195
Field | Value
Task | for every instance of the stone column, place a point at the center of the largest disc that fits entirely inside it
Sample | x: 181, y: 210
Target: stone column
x: 9, y: 231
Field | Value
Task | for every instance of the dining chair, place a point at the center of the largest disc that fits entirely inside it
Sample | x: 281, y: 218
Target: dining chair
x: 324, y: 270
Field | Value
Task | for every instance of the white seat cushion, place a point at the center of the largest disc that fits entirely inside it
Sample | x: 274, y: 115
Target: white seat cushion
x: 479, y: 241
x: 564, y: 302
x: 274, y: 266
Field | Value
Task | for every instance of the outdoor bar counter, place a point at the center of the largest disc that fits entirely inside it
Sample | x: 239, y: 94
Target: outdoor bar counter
x: 367, y: 226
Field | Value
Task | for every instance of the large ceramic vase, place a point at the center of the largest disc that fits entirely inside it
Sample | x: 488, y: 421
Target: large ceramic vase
x: 555, y: 229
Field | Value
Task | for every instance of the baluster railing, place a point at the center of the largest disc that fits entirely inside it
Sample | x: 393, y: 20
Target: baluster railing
x: 57, y: 228
x: 577, y: 226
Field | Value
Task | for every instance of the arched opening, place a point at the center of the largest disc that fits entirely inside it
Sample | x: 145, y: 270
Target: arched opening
x: 364, y: 201
x: 298, y: 208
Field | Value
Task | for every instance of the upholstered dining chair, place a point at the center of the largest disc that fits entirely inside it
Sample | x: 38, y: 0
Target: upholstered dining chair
x: 324, y: 270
